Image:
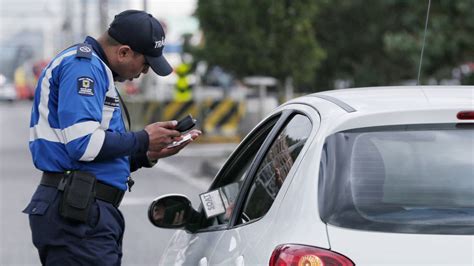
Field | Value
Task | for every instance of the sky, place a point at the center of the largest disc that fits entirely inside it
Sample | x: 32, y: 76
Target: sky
x: 175, y: 13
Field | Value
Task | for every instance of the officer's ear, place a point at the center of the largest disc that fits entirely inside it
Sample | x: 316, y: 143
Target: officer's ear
x: 124, y: 52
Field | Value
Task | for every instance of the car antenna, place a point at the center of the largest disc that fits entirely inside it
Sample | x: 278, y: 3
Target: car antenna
x: 423, y: 45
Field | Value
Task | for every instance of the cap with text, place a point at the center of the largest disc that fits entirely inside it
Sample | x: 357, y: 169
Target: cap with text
x: 144, y: 34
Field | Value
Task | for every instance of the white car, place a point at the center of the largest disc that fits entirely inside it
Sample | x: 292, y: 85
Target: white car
x: 368, y: 176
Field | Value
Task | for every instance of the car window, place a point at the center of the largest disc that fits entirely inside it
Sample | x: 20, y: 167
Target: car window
x: 275, y: 166
x: 410, y: 179
x: 230, y: 179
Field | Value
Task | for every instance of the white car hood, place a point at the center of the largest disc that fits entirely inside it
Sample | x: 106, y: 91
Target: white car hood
x: 377, y: 248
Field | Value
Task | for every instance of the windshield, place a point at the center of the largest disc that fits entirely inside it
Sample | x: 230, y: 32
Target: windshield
x: 413, y: 179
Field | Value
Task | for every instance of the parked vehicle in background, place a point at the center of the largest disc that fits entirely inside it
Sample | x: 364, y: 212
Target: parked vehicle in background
x: 7, y: 90
x: 368, y: 176
x: 26, y: 78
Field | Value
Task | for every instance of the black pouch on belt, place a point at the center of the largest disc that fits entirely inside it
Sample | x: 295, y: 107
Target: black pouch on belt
x: 78, y: 195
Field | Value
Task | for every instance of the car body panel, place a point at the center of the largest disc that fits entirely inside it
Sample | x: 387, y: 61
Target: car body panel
x: 393, y: 106
x: 378, y: 248
x: 376, y: 99
x: 185, y: 248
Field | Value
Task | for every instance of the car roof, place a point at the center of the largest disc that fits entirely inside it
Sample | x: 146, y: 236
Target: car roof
x: 379, y: 99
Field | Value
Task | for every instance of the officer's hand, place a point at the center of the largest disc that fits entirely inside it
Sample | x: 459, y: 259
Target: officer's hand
x: 166, y: 152
x: 161, y: 134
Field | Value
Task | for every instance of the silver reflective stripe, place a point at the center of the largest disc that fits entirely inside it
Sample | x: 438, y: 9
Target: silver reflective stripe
x: 108, y: 111
x: 95, y: 144
x: 80, y: 130
x: 42, y: 130
x: 46, y: 133
x: 64, y: 136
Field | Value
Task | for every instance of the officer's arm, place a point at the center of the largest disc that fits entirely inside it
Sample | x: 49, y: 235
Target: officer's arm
x: 133, y: 144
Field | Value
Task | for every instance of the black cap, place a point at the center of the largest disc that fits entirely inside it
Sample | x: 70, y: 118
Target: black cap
x: 144, y: 34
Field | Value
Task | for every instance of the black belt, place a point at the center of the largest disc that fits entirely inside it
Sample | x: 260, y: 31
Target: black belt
x: 103, y: 191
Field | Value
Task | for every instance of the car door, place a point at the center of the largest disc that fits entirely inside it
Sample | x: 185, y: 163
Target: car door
x: 264, y: 187
x: 196, y: 247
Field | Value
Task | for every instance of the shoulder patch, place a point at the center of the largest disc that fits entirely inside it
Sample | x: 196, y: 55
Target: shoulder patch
x: 85, y: 86
x: 84, y: 50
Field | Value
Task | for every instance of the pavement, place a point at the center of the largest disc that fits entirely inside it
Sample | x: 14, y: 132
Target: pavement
x: 213, y: 158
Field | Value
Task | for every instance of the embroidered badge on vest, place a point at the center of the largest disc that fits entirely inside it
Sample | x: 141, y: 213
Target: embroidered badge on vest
x: 85, y: 86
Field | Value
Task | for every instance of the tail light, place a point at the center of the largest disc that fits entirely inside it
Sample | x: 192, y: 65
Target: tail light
x: 301, y: 255
x: 465, y: 115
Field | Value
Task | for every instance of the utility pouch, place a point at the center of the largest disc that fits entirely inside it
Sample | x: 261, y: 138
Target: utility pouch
x: 78, y: 195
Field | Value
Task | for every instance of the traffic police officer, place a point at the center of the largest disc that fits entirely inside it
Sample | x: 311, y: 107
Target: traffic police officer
x: 78, y: 139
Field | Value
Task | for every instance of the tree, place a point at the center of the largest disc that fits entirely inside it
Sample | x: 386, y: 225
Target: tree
x: 267, y: 37
x: 369, y: 42
x: 379, y: 42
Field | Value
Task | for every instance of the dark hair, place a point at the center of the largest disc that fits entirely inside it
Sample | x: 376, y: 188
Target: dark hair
x: 111, y: 41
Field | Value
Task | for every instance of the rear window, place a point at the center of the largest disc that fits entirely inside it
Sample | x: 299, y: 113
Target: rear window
x: 410, y: 179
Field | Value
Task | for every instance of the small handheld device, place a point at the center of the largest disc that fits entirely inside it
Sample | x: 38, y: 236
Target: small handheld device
x: 186, y: 137
x: 186, y: 124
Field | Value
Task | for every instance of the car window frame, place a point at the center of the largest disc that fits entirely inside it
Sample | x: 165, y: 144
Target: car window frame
x: 233, y: 160
x: 285, y: 118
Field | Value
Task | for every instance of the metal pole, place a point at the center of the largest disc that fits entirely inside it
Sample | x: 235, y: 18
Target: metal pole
x: 288, y: 89
x: 262, y: 97
x: 84, y: 19
x: 67, y: 30
x: 103, y: 15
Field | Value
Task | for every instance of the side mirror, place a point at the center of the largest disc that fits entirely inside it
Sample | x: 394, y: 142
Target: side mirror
x: 170, y: 211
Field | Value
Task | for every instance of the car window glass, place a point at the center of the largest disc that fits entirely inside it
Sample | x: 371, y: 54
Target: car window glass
x: 404, y: 179
x: 275, y: 167
x: 229, y: 195
x: 230, y: 180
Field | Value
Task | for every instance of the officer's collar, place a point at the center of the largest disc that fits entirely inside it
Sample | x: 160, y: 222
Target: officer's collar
x: 99, y: 51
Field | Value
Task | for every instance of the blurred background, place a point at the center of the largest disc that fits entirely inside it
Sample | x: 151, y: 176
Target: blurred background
x: 234, y: 61
x: 239, y: 54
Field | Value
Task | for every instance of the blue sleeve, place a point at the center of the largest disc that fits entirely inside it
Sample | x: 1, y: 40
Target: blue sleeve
x: 123, y: 144
x: 139, y: 160
x: 82, y: 89
x: 133, y: 144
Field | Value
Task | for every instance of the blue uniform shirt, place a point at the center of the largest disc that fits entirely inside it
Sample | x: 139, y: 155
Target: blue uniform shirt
x: 76, y: 116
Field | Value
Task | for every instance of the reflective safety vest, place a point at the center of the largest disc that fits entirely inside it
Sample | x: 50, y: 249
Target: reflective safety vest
x: 75, y: 103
